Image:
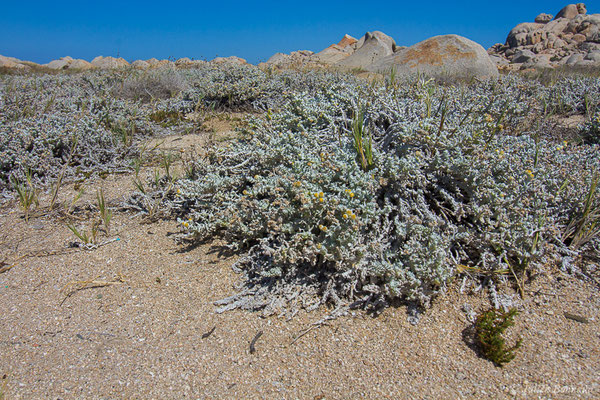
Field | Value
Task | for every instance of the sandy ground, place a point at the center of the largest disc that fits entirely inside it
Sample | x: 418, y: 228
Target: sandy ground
x: 135, y: 319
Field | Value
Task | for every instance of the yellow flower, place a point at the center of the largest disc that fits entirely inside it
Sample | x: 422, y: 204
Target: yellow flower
x: 297, y: 184
x: 316, y: 194
x: 321, y: 199
x: 345, y: 216
x: 529, y: 172
x: 321, y: 194
x: 186, y: 224
x: 256, y: 176
x: 353, y: 216
x: 319, y: 245
x: 351, y: 194
x: 245, y: 192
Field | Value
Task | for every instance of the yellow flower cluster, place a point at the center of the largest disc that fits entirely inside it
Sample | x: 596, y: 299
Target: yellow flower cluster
x: 297, y: 184
x: 350, y: 193
x: 323, y: 228
x: 186, y: 223
x: 529, y: 172
x: 319, y: 196
x: 349, y: 214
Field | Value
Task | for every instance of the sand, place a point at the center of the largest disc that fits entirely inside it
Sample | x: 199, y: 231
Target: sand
x: 134, y: 318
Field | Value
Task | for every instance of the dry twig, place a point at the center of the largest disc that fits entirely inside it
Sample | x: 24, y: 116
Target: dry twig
x: 76, y: 286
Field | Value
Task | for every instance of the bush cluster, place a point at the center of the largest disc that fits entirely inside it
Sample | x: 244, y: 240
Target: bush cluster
x: 454, y: 181
x: 341, y: 189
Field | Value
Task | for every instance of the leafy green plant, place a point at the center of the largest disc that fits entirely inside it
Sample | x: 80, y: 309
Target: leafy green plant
x: 489, y: 328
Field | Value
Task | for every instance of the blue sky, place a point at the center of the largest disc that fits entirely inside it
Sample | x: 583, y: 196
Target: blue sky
x: 43, y: 31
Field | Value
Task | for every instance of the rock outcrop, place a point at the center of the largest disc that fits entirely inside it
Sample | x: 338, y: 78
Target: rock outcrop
x: 140, y: 64
x: 336, y: 52
x: 109, y: 62
x: 81, y: 65
x: 570, y: 11
x: 229, y: 60
x: 372, y: 47
x: 69, y: 63
x: 16, y: 64
x: 296, y: 59
x: 548, y: 42
x: 440, y: 57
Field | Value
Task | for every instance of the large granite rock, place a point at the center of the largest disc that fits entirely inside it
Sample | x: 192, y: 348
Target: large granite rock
x: 336, y: 52
x: 543, y: 18
x: 109, y: 62
x: 229, y: 60
x: 8, y: 62
x: 141, y: 64
x: 571, y: 11
x: 68, y: 63
x: 296, y: 59
x: 63, y: 63
x: 442, y: 57
x: 15, y: 63
x: 81, y: 65
x: 372, y: 47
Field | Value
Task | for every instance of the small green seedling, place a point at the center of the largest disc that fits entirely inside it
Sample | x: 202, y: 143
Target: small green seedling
x: 27, y: 194
x: 363, y: 141
x: 105, y: 213
x: 489, y: 328
x: 87, y: 239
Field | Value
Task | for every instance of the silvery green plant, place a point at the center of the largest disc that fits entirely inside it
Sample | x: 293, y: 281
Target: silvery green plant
x: 454, y: 182
x: 459, y: 175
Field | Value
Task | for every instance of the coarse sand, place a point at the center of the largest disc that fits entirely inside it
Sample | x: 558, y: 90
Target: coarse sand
x: 134, y: 318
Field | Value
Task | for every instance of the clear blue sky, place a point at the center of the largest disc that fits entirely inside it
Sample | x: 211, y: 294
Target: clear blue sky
x: 43, y: 31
